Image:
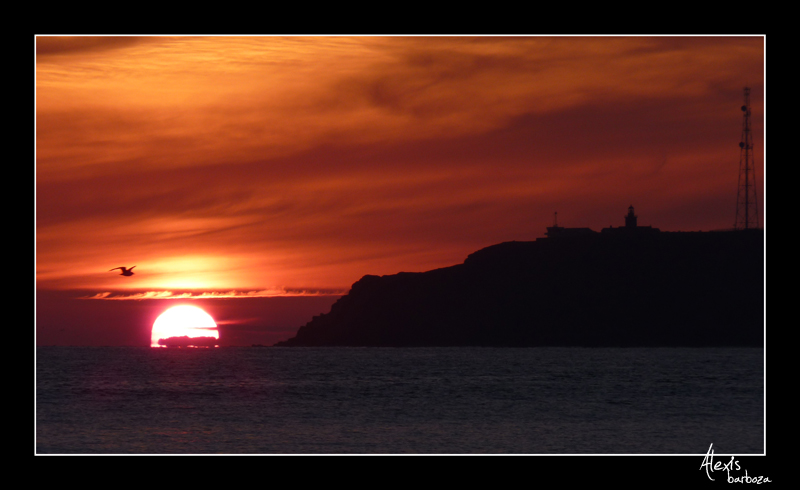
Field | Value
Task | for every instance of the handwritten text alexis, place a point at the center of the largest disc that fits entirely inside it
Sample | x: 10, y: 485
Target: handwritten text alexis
x: 732, y: 465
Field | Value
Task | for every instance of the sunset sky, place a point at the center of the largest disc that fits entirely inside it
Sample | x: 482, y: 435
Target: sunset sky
x: 265, y: 175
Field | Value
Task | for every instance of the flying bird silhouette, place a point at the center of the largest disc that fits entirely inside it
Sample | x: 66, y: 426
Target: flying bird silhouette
x: 125, y: 271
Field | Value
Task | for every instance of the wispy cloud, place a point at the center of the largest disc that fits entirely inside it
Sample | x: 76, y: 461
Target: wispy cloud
x: 264, y: 293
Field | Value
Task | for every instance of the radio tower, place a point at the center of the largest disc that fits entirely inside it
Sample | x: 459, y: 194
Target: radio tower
x: 746, y: 204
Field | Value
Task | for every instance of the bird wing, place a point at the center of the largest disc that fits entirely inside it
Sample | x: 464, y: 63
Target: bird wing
x: 115, y: 268
x: 131, y: 268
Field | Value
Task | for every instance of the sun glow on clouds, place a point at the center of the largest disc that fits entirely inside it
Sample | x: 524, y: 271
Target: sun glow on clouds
x: 215, y: 163
x: 263, y: 293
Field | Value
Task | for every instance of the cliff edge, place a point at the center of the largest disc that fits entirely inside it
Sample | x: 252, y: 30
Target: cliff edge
x: 610, y: 289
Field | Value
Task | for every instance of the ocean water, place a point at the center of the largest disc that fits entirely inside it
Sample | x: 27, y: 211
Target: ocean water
x: 251, y: 400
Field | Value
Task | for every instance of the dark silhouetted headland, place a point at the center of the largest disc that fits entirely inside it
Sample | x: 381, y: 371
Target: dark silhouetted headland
x: 626, y: 286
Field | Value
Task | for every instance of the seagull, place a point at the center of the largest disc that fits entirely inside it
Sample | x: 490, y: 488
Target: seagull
x: 125, y: 271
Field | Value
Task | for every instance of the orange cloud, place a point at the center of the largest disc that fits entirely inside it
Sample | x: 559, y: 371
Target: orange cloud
x: 222, y: 163
x: 264, y: 293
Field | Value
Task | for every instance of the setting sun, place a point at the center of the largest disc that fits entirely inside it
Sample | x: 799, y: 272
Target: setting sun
x: 184, y: 326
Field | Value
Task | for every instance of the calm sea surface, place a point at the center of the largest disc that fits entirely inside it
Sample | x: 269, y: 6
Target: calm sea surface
x: 250, y: 400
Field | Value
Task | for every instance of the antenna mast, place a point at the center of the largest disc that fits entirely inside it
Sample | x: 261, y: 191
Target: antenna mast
x: 746, y: 204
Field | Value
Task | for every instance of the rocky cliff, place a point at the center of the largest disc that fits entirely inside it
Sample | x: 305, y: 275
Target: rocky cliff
x: 660, y: 289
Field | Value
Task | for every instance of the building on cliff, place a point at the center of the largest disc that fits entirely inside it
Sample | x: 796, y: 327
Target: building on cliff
x: 560, y: 231
x: 631, y: 228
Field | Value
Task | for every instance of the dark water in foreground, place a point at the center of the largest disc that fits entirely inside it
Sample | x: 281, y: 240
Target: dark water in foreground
x: 249, y: 400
